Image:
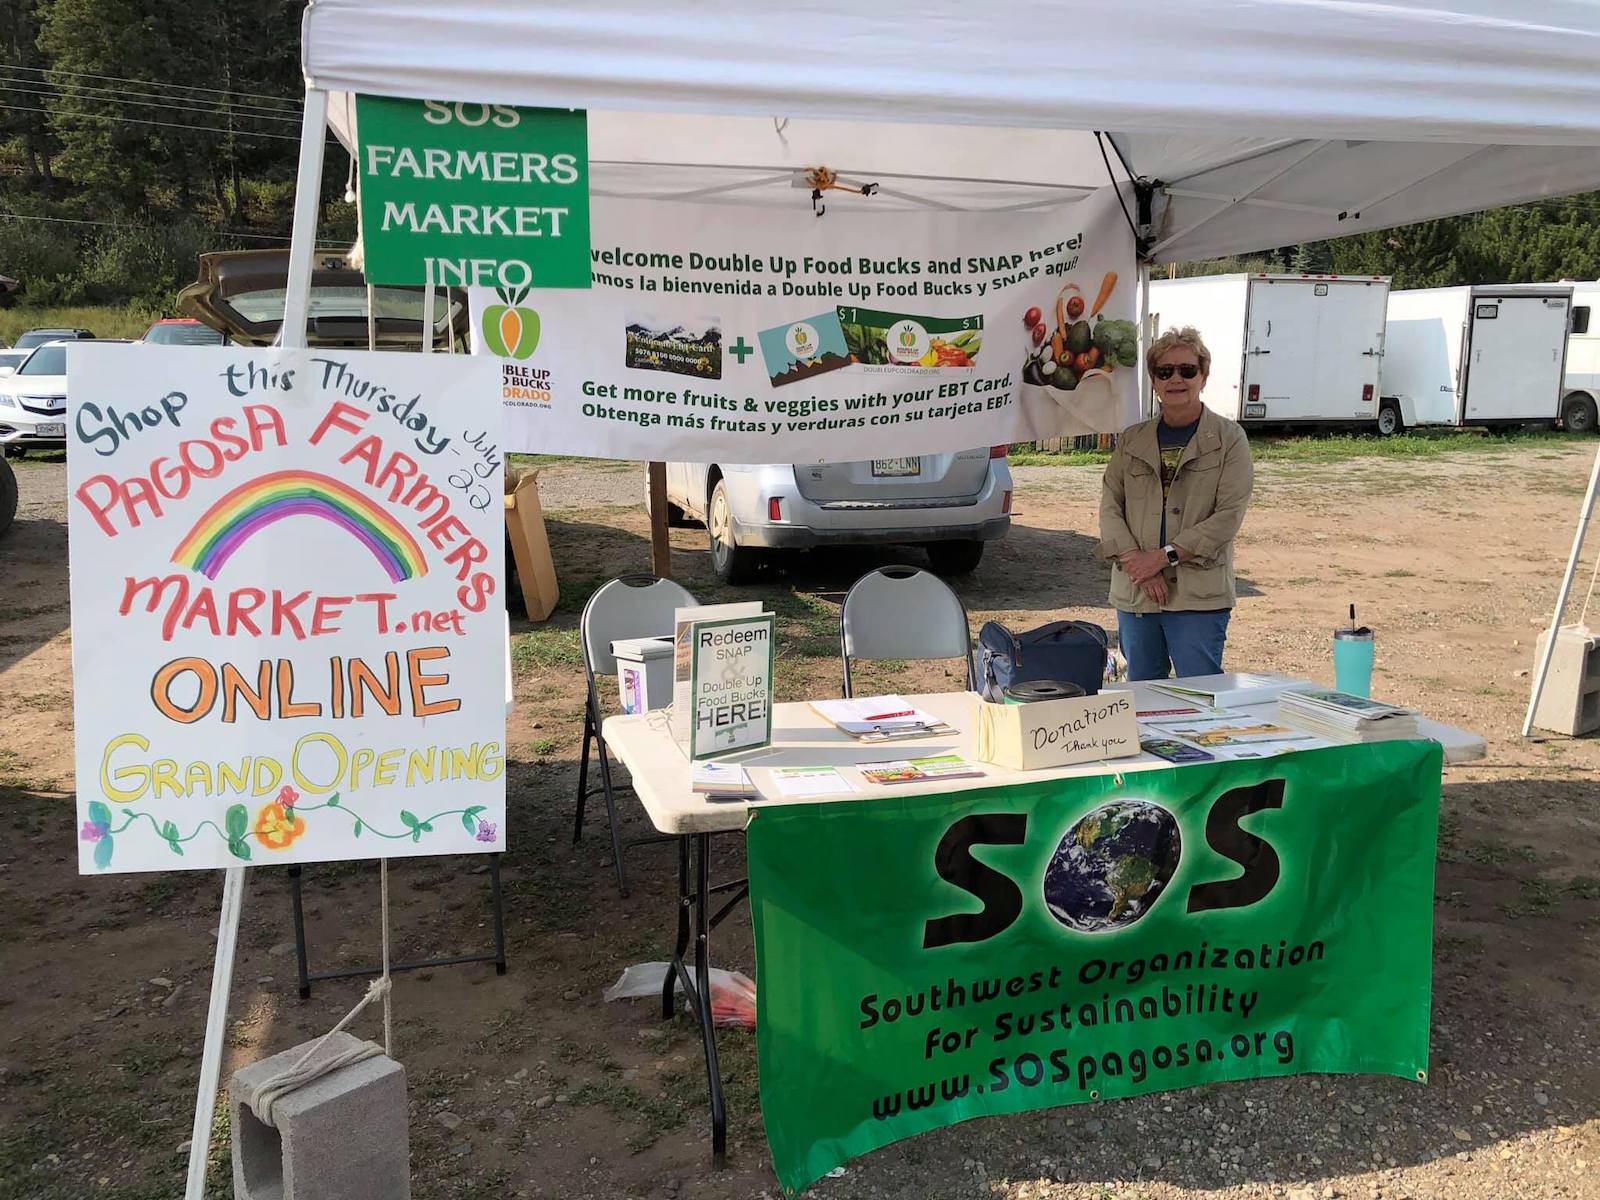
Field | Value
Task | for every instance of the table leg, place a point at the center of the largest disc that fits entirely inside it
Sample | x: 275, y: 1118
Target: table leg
x: 702, y: 975
x: 675, y: 963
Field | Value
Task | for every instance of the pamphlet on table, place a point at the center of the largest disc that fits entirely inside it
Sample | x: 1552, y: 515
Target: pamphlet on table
x: 711, y: 778
x: 795, y: 783
x: 1234, y: 729
x: 920, y: 770
x: 1342, y: 715
x: 1175, y: 751
x: 1160, y: 710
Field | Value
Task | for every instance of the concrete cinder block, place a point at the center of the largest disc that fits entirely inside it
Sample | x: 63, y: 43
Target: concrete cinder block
x: 341, y: 1137
x: 1570, y: 701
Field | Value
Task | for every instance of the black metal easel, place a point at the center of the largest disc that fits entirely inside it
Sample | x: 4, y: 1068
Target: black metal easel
x: 307, y: 976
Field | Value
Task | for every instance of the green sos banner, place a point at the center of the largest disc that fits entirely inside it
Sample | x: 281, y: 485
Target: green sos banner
x: 926, y: 959
x: 473, y: 195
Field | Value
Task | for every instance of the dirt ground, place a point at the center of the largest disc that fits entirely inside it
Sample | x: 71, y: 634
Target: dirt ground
x: 528, y: 1085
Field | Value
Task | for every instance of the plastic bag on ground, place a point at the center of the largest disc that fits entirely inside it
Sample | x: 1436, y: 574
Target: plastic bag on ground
x: 733, y: 995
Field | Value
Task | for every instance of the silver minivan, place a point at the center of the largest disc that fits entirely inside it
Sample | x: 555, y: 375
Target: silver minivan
x: 949, y: 504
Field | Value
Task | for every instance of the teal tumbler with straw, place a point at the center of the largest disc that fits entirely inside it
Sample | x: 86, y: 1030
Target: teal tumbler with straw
x: 1352, y: 658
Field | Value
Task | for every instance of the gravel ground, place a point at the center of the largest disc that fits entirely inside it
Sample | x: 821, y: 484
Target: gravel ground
x: 527, y: 1086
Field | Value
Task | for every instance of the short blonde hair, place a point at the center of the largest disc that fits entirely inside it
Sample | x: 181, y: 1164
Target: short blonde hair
x: 1187, y: 337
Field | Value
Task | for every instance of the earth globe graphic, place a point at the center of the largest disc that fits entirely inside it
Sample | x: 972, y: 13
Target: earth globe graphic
x: 1112, y: 866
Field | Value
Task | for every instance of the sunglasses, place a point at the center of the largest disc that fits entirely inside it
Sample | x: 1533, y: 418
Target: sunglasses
x: 1187, y: 370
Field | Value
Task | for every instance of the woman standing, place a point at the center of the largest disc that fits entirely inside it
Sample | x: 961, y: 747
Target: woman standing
x: 1173, y: 498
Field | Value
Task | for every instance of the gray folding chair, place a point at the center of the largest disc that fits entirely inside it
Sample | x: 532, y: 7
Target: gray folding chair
x: 629, y: 606
x: 903, y: 613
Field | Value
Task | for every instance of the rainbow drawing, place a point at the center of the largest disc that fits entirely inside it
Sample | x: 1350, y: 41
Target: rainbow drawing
x: 252, y: 506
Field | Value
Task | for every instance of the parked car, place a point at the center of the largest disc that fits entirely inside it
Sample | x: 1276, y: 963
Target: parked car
x: 240, y: 293
x: 949, y: 504
x: 10, y: 360
x: 38, y: 337
x: 33, y: 401
x: 182, y: 331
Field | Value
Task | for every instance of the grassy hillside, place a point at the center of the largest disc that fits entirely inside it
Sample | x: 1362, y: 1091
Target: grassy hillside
x: 112, y: 322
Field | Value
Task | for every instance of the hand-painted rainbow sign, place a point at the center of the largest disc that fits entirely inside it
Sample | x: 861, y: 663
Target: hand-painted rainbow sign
x: 288, y: 630
x: 258, y: 503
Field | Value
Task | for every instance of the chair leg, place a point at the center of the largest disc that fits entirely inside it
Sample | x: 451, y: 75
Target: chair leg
x: 583, y: 772
x: 611, y: 812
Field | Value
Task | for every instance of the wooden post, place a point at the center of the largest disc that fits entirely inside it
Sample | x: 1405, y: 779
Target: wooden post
x: 660, y: 547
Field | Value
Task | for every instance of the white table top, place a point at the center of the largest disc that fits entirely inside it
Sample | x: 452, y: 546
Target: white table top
x: 801, y: 737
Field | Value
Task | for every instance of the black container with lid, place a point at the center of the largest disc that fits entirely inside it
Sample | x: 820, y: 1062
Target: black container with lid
x: 1042, y: 689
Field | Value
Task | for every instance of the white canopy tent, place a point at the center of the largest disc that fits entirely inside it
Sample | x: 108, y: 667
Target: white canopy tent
x: 1241, y: 125
x: 1263, y: 122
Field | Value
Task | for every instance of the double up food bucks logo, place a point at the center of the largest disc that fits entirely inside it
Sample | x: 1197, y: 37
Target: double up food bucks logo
x: 508, y: 329
x: 473, y: 195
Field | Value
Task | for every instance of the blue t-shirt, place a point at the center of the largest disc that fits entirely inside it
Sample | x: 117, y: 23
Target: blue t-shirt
x: 1172, y: 440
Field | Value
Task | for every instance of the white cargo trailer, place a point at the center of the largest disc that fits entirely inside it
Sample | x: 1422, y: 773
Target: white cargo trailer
x: 1285, y: 349
x: 1581, y: 388
x: 1489, y: 354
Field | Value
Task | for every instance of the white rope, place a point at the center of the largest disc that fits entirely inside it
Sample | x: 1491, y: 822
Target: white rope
x: 1583, y: 617
x: 305, y: 1071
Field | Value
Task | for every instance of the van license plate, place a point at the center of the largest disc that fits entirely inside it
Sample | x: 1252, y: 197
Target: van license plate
x: 53, y: 429
x: 882, y: 467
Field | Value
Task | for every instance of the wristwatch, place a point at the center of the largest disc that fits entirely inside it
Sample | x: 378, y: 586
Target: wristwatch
x: 1172, y: 555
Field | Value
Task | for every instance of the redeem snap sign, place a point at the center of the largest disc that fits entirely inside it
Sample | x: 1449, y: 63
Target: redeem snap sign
x: 473, y: 195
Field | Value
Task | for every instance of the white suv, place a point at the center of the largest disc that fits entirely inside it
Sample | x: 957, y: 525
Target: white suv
x: 33, y: 402
x: 949, y: 504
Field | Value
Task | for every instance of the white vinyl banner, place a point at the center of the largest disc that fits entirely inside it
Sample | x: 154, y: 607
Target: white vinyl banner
x: 288, y: 642
x: 719, y: 333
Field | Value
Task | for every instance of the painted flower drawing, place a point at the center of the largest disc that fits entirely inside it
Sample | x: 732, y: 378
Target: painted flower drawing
x: 277, y: 825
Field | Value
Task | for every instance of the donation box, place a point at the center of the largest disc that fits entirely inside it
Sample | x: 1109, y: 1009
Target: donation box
x: 1054, y: 733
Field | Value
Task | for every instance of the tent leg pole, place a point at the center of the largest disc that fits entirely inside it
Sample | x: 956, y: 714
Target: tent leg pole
x: 1146, y: 408
x: 1561, y: 598
x: 660, y: 545
x: 307, y: 202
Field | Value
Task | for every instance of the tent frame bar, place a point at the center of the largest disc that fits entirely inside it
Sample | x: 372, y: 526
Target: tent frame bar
x: 1311, y: 148
x: 1472, y: 152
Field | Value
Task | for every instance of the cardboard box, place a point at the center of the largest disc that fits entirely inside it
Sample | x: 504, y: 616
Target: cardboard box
x: 1056, y: 733
x: 530, y: 546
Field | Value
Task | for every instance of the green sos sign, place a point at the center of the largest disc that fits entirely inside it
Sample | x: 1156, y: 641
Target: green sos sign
x: 473, y: 195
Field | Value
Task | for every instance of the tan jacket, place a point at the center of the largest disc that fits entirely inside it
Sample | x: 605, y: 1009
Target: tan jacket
x: 1204, y: 511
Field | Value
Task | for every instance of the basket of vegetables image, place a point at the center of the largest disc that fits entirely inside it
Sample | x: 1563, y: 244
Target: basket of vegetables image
x: 1075, y: 352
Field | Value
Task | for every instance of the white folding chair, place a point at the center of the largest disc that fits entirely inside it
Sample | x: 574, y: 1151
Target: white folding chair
x: 629, y: 606
x: 903, y: 613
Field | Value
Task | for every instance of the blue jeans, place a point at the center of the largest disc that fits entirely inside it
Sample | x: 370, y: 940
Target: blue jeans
x: 1180, y: 643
